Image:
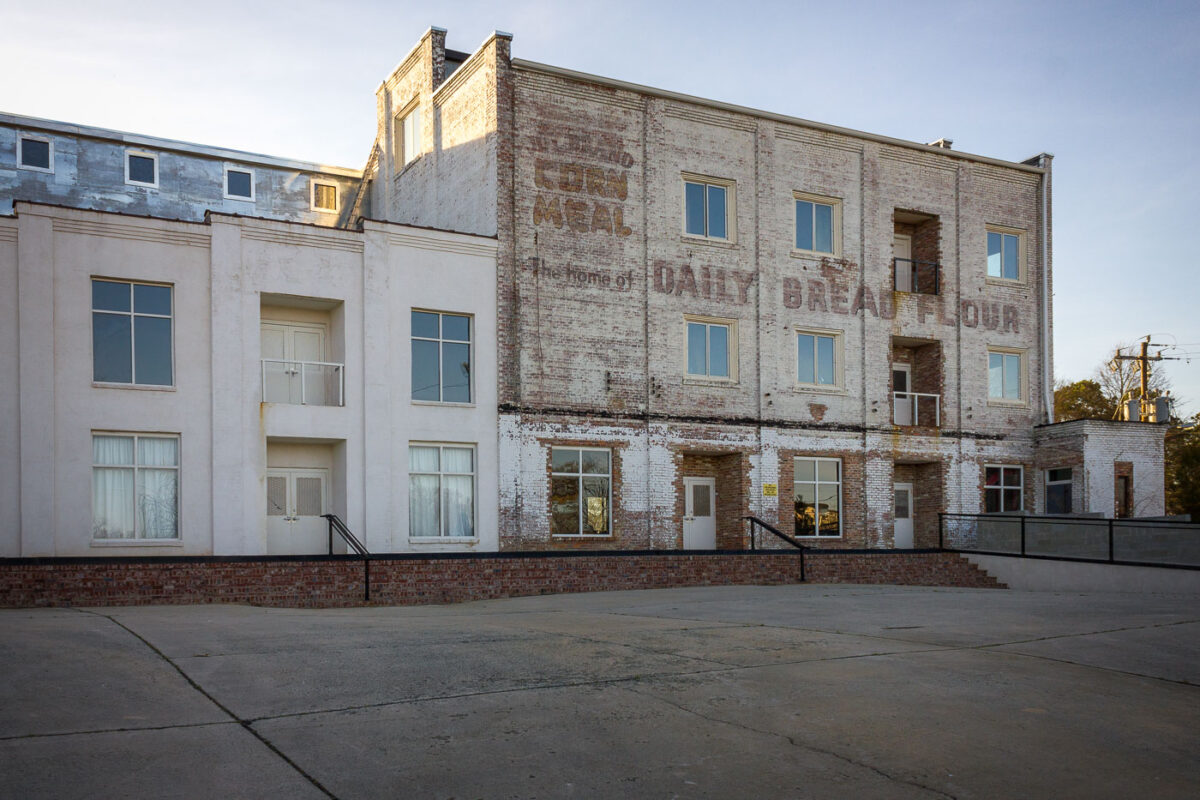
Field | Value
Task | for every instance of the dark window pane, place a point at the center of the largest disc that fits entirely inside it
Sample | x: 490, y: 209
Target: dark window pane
x: 1058, y: 498
x: 693, y: 201
x: 716, y: 212
x: 991, y: 501
x: 595, y: 505
x: 1012, y: 476
x: 806, y: 509
x: 828, y: 510
x: 993, y: 476
x: 1062, y: 474
x: 804, y: 225
x: 425, y: 324
x: 426, y: 377
x: 456, y: 373
x: 110, y: 296
x: 564, y: 506
x: 112, y: 351
x: 1012, y: 499
x: 152, y: 349
x: 595, y: 462
x: 564, y: 459
x: 824, y: 228
x: 141, y: 169
x: 238, y: 183
x: 456, y: 327
x: 35, y: 153
x: 152, y: 299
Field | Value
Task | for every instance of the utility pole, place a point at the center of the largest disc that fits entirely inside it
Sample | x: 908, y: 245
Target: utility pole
x: 1144, y: 359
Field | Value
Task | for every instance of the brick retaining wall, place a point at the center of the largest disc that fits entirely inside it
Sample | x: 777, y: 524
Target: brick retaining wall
x: 413, y: 580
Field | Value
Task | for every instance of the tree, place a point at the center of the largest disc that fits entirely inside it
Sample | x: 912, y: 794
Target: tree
x: 1083, y: 399
x: 1183, y: 468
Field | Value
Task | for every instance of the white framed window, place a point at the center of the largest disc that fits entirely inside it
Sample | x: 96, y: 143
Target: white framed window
x: 817, y: 496
x: 141, y: 168
x: 818, y: 224
x: 407, y: 136
x: 711, y: 348
x: 135, y: 486
x: 1003, y: 488
x: 818, y: 359
x: 324, y: 196
x: 1005, y: 254
x: 441, y: 357
x: 441, y: 491
x: 239, y: 183
x: 132, y: 333
x: 1006, y: 375
x: 1058, y: 490
x: 580, y: 491
x: 709, y: 208
x: 35, y: 153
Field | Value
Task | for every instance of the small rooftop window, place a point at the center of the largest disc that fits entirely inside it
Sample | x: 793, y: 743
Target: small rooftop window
x: 239, y: 183
x: 36, y: 153
x: 324, y: 196
x: 141, y: 169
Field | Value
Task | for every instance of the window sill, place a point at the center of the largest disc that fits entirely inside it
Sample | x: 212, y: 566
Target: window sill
x: 697, y: 380
x: 137, y: 543
x: 991, y: 280
x: 998, y: 403
x: 581, y: 536
x: 45, y: 170
x: 323, y: 210
x: 808, y: 388
x: 443, y: 404
x: 443, y: 539
x: 818, y: 538
x: 691, y: 238
x: 141, y: 387
x: 239, y: 198
x: 814, y: 254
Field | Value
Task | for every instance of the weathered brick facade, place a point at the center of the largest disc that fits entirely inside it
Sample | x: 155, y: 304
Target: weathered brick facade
x: 597, y: 278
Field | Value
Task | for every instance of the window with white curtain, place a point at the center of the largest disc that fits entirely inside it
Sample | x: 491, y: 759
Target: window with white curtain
x: 135, y: 486
x: 441, y: 491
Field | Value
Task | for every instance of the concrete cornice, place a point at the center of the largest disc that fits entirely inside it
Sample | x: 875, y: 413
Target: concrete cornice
x: 172, y: 145
x: 583, y: 77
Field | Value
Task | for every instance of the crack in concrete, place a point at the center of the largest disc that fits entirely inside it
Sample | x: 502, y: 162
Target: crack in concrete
x: 113, y: 730
x: 797, y: 744
x: 244, y: 723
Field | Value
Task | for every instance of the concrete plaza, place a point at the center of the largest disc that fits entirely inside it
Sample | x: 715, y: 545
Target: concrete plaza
x: 740, y: 692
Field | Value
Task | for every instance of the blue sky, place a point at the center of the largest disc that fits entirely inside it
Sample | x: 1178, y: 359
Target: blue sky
x: 1112, y: 89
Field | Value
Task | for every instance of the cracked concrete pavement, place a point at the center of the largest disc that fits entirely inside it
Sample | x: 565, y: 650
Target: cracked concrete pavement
x: 782, y: 691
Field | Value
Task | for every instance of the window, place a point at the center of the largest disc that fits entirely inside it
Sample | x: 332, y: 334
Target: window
x: 1003, y: 489
x: 1004, y: 254
x: 708, y: 207
x: 35, y: 153
x: 441, y: 491
x: 818, y: 496
x: 441, y: 357
x: 1058, y: 491
x: 710, y: 347
x: 407, y: 136
x: 818, y: 224
x: 131, y: 333
x: 141, y: 169
x: 135, y: 486
x: 816, y: 359
x: 324, y: 196
x: 580, y: 491
x: 1006, y: 376
x: 239, y: 183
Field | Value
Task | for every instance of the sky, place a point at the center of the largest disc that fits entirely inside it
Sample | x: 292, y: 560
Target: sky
x: 1112, y: 89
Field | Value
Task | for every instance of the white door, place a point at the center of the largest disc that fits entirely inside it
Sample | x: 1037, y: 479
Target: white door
x: 902, y: 538
x: 699, y: 514
x: 902, y: 401
x: 902, y: 250
x: 296, y: 499
x: 290, y: 352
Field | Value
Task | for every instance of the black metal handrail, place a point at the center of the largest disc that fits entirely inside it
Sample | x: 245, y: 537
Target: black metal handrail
x: 917, y: 269
x: 336, y: 524
x: 756, y: 522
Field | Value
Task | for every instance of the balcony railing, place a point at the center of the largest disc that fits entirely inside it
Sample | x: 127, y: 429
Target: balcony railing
x: 309, y: 383
x: 920, y: 277
x: 916, y: 408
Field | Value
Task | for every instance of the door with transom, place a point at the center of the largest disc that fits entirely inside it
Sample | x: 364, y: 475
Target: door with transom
x: 902, y: 537
x: 699, y: 514
x: 296, y: 499
x: 290, y: 352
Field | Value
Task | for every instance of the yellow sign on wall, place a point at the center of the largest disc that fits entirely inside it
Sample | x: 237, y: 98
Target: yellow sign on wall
x: 770, y: 490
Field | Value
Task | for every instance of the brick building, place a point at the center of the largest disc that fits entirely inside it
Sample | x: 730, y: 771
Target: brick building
x: 701, y: 311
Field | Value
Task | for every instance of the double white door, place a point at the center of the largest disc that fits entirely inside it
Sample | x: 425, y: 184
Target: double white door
x: 296, y: 499
x: 291, y: 356
x: 699, y: 514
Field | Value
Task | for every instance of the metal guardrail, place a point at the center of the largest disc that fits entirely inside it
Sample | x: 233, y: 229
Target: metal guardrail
x: 919, y: 277
x: 906, y: 408
x: 1129, y: 541
x: 337, y: 526
x: 316, y: 383
x: 755, y: 522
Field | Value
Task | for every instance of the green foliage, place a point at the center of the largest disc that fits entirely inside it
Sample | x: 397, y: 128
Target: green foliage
x: 1183, y: 468
x: 1082, y: 400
